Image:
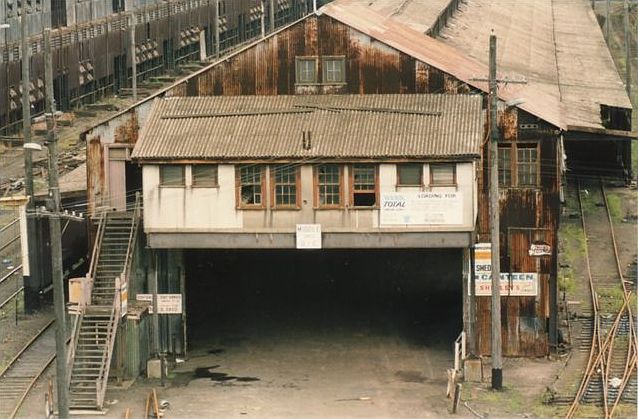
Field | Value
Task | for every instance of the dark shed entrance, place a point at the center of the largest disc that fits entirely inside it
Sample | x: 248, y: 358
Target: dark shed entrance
x: 256, y: 295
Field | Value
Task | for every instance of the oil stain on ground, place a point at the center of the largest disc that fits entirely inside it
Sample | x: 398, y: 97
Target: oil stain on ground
x: 411, y: 376
x: 220, y: 377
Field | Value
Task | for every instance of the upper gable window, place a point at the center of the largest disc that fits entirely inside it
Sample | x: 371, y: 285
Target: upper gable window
x: 409, y: 174
x: 205, y: 175
x: 334, y: 69
x: 172, y: 175
x: 306, y: 70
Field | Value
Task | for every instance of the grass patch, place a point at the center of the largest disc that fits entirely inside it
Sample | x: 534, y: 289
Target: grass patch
x: 566, y: 281
x: 508, y: 400
x: 612, y: 299
x: 614, y: 203
x: 576, y: 244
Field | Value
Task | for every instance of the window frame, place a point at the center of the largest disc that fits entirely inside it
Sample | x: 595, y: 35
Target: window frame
x: 273, y: 188
x: 238, y: 185
x: 316, y: 186
x: 454, y: 179
x: 502, y: 169
x: 298, y: 60
x: 514, y: 164
x: 324, y: 69
x: 413, y: 185
x: 162, y: 182
x: 214, y: 184
x: 353, y: 192
x: 536, y: 164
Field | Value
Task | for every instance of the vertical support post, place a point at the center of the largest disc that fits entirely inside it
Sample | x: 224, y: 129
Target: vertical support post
x: 216, y: 28
x: 31, y: 266
x: 628, y: 56
x: 56, y: 235
x: 133, y: 63
x: 472, y: 305
x: 607, y: 21
x: 263, y: 19
x: 272, y: 15
x: 314, y: 6
x: 26, y: 111
x: 153, y: 290
x: 497, y: 369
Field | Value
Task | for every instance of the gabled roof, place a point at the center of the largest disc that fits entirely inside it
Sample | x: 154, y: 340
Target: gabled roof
x: 340, y: 126
x: 555, y: 45
x: 438, y: 54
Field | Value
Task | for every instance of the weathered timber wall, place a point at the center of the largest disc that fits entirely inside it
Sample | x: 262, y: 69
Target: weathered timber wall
x: 268, y: 68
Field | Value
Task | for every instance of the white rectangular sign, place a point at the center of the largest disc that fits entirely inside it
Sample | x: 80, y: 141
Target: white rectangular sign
x: 308, y: 236
x: 421, y: 208
x: 514, y: 284
x: 166, y: 303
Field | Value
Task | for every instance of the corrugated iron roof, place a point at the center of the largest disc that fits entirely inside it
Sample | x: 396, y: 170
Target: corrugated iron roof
x: 340, y: 126
x: 556, y: 45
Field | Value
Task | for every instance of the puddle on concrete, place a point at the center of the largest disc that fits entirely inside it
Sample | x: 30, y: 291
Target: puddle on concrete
x: 411, y: 376
x: 216, y: 351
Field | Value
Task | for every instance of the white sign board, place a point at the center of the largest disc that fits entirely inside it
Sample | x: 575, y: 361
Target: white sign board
x: 540, y: 249
x: 514, y: 284
x: 123, y: 299
x: 166, y: 303
x: 421, y: 208
x: 308, y: 236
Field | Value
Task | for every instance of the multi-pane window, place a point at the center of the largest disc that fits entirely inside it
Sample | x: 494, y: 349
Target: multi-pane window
x: 251, y: 186
x: 334, y: 69
x: 504, y: 165
x: 518, y: 165
x: 328, y: 185
x: 306, y: 70
x: 410, y: 174
x: 442, y: 174
x: 284, y: 178
x: 172, y: 175
x: 364, y: 185
x: 204, y: 175
x: 526, y: 160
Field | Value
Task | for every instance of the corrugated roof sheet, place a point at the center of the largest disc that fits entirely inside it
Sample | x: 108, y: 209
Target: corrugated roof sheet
x: 341, y: 126
x: 556, y: 45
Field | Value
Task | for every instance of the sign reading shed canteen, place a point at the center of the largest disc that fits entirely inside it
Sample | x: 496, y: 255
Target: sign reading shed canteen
x: 421, y: 208
x: 514, y: 284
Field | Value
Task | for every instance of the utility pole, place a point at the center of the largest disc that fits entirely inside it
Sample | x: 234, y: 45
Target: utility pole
x: 133, y: 60
x: 216, y: 28
x: 56, y: 236
x: 497, y: 362
x: 31, y: 265
x: 628, y: 56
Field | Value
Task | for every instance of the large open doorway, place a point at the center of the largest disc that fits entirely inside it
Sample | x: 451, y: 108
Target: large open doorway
x: 348, y: 332
x: 413, y: 295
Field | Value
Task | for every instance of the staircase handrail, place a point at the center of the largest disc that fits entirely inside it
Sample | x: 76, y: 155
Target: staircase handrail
x: 75, y: 337
x: 130, y: 251
x: 97, y: 245
x: 103, y: 375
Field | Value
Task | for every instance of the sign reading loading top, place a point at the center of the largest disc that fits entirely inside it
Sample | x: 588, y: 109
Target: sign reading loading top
x: 421, y: 208
x: 512, y: 284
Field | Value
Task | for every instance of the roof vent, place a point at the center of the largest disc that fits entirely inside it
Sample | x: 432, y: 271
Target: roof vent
x: 306, y: 142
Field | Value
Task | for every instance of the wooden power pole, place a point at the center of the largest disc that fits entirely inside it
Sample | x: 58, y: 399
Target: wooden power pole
x: 57, y: 271
x: 497, y: 362
x: 628, y: 56
x: 133, y: 56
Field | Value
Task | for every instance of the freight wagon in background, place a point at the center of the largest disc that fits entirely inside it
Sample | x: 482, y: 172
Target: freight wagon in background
x: 91, y: 44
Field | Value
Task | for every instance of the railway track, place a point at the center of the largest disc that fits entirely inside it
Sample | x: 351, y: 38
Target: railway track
x: 609, y: 377
x: 17, y: 379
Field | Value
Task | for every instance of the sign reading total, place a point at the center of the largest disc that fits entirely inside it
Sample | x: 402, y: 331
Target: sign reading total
x: 512, y: 284
x: 421, y: 208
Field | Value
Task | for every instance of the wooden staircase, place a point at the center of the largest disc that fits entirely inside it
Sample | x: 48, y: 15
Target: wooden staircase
x: 97, y: 322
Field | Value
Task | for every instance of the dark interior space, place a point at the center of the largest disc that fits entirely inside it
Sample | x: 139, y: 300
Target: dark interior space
x: 609, y: 159
x: 411, y: 295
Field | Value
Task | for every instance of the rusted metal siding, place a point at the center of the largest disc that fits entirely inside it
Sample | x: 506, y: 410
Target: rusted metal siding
x: 268, y: 68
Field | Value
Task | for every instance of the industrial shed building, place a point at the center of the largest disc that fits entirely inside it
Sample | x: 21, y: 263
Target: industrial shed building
x: 351, y: 47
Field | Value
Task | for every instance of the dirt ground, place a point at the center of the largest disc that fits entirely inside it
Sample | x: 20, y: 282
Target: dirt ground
x: 343, y: 374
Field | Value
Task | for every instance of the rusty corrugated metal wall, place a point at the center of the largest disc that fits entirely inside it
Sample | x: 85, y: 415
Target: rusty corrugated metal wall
x: 268, y: 68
